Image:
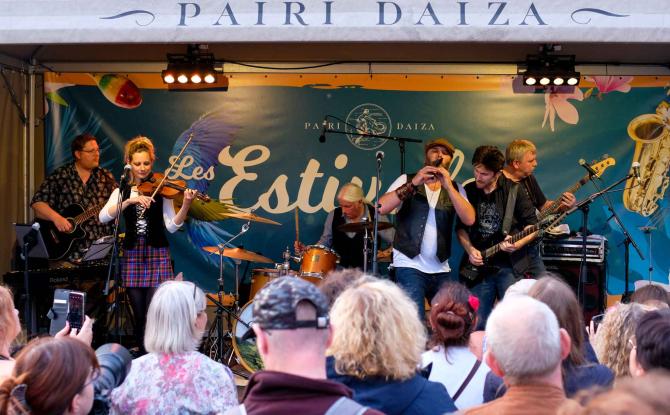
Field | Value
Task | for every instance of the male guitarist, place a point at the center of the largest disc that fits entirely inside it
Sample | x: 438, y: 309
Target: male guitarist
x: 520, y: 162
x: 82, y: 182
x: 489, y: 195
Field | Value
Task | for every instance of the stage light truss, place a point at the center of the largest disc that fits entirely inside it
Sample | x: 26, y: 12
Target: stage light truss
x: 544, y: 71
x: 193, y: 70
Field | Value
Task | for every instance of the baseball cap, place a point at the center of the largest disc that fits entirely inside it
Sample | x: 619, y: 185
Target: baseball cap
x: 275, y: 305
x: 439, y: 142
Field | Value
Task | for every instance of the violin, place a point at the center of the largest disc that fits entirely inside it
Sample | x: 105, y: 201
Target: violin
x: 169, y: 189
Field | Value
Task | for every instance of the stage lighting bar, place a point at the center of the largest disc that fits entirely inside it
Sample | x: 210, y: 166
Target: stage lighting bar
x: 545, y: 70
x: 193, y: 70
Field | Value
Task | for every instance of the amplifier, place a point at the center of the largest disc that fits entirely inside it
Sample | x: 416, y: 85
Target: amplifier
x: 570, y: 249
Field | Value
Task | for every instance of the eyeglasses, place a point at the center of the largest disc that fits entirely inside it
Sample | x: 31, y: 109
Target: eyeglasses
x: 95, y: 374
x: 94, y: 150
x: 632, y: 344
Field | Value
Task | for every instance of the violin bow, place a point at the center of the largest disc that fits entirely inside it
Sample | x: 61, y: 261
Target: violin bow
x: 165, y: 176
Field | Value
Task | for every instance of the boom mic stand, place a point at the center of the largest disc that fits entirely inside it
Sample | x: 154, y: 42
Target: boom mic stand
x: 114, y: 267
x: 627, y: 241
x: 400, y: 140
x: 375, y: 242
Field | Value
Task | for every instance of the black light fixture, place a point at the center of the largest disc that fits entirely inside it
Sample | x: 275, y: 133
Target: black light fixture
x: 193, y: 70
x: 546, y: 69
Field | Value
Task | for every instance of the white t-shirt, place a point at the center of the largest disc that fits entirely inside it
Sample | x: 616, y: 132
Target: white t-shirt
x: 452, y: 373
x: 427, y: 260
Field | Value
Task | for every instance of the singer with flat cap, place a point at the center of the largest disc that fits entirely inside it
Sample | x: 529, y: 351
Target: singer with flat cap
x: 353, y: 208
x: 427, y: 202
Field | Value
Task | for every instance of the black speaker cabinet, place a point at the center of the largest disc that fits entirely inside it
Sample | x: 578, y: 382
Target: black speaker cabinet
x: 592, y: 295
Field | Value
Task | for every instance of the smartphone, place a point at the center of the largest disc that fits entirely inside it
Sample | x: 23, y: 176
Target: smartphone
x: 75, y: 309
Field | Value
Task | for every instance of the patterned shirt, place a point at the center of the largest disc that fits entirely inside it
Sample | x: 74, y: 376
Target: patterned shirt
x: 175, y: 384
x: 64, y: 187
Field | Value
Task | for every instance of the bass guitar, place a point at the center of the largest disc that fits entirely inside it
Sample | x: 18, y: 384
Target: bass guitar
x: 59, y: 243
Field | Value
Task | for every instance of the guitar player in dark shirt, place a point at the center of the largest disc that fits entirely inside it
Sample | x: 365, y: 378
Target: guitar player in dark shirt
x: 75, y: 189
x: 488, y: 194
x: 520, y: 163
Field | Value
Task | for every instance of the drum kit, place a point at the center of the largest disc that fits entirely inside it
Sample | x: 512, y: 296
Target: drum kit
x: 228, y: 339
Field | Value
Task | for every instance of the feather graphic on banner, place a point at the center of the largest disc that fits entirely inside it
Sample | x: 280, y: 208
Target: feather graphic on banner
x: 212, y: 133
x: 119, y: 90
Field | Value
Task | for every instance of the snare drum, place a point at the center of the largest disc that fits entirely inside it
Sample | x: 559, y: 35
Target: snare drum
x: 262, y: 276
x: 317, y: 261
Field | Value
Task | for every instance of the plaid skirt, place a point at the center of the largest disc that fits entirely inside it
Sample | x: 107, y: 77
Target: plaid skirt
x: 146, y: 266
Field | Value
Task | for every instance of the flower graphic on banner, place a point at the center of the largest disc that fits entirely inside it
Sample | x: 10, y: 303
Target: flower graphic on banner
x: 607, y: 84
x: 556, y: 103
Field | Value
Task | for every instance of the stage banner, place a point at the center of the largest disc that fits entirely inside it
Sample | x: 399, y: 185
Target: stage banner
x: 257, y: 148
x: 130, y: 21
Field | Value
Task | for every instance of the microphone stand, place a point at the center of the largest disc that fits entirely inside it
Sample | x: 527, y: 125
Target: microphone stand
x: 114, y: 262
x: 583, y: 205
x: 400, y: 140
x: 29, y: 242
x: 375, y: 242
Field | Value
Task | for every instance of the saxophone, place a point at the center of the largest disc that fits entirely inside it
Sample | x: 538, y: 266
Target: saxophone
x: 651, y: 133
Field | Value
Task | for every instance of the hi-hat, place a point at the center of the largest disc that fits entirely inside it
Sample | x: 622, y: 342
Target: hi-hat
x: 361, y: 226
x: 239, y: 253
x: 249, y: 216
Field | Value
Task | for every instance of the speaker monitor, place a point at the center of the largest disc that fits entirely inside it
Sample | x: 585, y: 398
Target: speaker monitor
x: 592, y: 295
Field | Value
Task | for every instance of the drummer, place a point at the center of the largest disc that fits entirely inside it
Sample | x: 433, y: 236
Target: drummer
x: 353, y: 208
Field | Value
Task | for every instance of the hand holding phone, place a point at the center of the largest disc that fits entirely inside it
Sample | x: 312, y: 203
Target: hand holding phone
x: 75, y: 311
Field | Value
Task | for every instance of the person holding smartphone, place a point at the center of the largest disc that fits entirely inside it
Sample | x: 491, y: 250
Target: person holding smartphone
x: 146, y: 261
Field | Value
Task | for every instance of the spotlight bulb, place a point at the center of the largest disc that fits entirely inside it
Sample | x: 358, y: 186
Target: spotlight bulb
x: 182, y: 79
x: 195, y: 78
x: 558, y: 81
x: 531, y: 81
x: 209, y: 78
x: 544, y: 80
x: 168, y: 78
x: 573, y: 81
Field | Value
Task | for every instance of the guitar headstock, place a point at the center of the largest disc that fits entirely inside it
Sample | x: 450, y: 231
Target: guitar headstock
x: 600, y: 166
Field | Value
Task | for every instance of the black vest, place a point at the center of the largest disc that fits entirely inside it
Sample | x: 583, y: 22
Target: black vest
x: 155, y: 225
x: 349, y: 249
x: 411, y: 223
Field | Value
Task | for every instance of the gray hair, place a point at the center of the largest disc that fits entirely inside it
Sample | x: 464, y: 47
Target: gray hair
x: 171, y: 318
x: 523, y: 335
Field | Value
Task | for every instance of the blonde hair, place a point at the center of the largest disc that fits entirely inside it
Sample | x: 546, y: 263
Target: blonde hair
x: 171, y: 320
x: 376, y: 332
x: 351, y: 192
x: 138, y: 145
x: 517, y: 149
x: 611, y: 340
x: 6, y: 315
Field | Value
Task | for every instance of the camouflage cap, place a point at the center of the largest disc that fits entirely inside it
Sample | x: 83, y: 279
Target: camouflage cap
x: 275, y: 305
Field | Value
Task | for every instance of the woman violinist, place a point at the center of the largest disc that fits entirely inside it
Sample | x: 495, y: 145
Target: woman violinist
x: 146, y: 261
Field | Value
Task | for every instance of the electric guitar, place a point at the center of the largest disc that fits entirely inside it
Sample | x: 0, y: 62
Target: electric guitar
x: 545, y: 221
x: 59, y: 243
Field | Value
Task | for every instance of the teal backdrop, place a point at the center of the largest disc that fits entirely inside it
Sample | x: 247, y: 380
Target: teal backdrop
x: 259, y: 145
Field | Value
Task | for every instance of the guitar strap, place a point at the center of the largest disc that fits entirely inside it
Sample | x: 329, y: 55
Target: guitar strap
x: 509, y: 210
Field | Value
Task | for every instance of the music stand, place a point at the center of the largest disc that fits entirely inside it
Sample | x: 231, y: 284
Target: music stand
x: 99, y: 249
x: 29, y: 238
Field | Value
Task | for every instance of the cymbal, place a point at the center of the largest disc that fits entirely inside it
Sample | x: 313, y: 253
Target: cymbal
x: 249, y: 216
x: 239, y: 253
x: 361, y: 226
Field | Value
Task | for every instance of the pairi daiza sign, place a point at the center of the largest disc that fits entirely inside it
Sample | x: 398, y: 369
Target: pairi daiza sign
x: 333, y: 20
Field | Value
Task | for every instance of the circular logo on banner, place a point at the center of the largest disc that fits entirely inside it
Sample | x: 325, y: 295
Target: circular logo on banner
x: 368, y: 119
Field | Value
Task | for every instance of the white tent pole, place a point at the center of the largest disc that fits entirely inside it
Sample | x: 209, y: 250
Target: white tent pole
x: 30, y: 189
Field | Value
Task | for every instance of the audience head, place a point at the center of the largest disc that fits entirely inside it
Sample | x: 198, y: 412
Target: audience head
x: 176, y: 318
x: 563, y: 302
x: 290, y: 318
x: 453, y: 315
x: 524, y: 340
x: 377, y: 332
x: 650, y: 294
x: 340, y: 280
x: 520, y: 287
x: 51, y: 376
x: 611, y: 340
x: 652, y: 343
x: 640, y: 396
x: 10, y: 326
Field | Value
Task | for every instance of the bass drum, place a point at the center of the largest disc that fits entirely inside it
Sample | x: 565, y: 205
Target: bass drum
x: 245, y: 348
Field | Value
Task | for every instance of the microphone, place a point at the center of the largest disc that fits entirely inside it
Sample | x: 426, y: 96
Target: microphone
x: 125, y: 177
x: 588, y: 168
x: 324, y: 126
x: 636, y: 171
x: 379, y: 155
